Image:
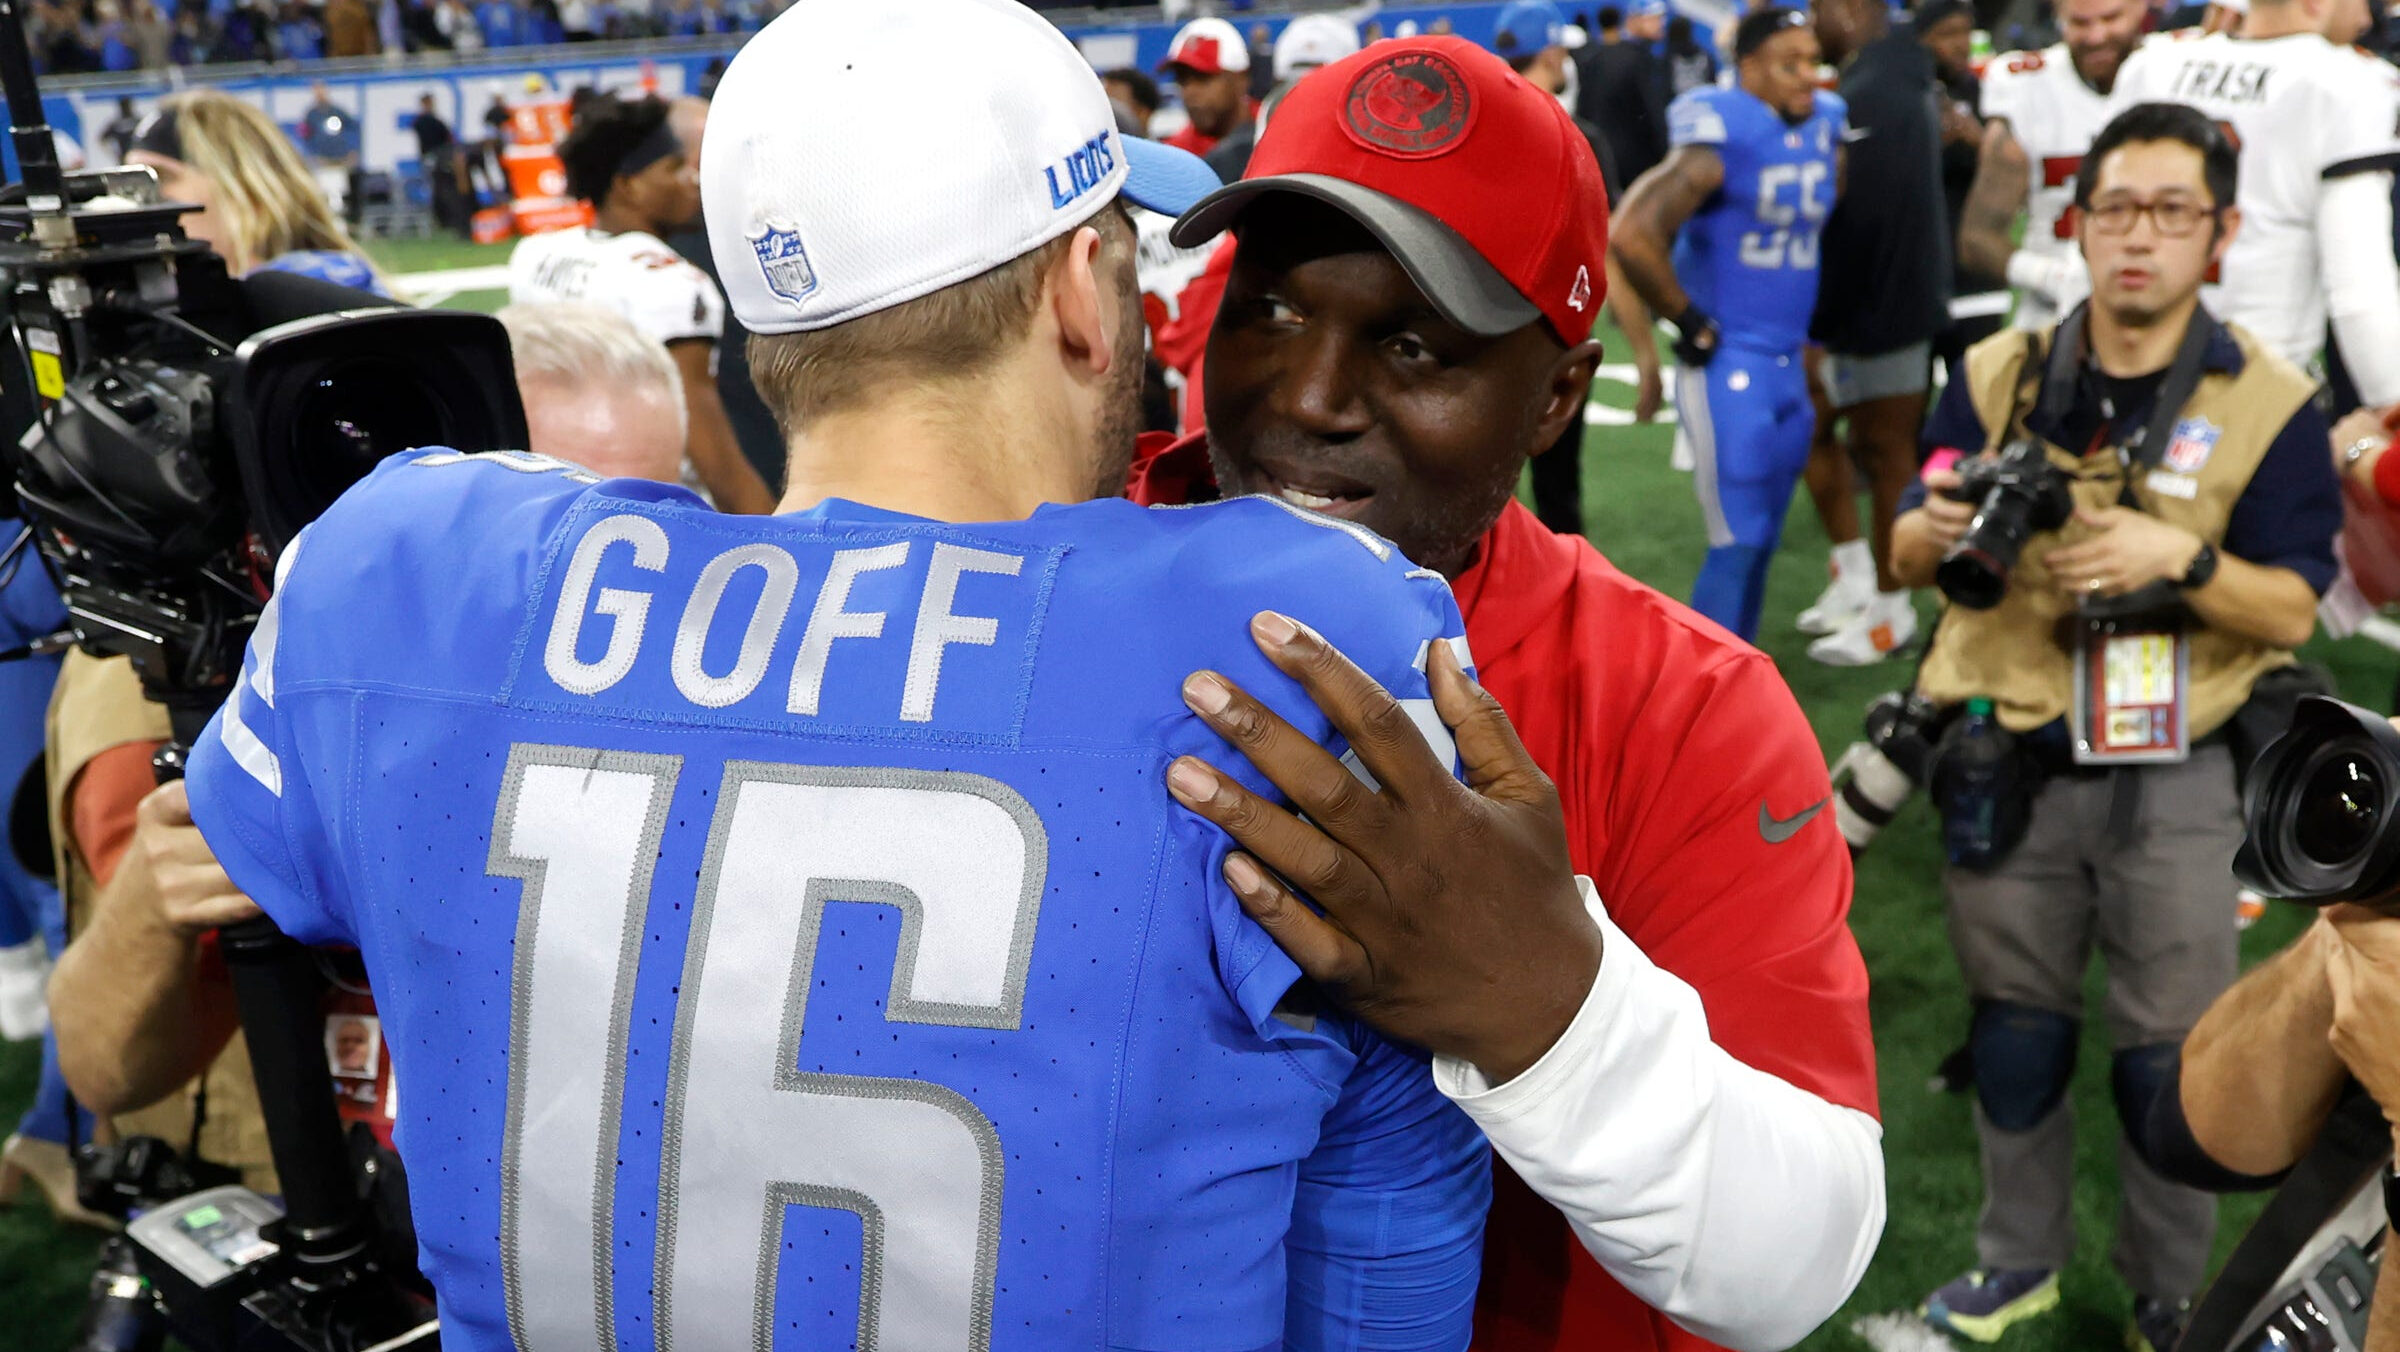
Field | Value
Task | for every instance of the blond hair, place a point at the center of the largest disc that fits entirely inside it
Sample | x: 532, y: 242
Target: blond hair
x: 957, y: 332
x: 268, y: 201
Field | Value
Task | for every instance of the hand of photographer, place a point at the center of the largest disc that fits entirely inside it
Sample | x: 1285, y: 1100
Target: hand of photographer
x: 1922, y: 535
x: 2127, y: 551
x: 2369, y: 430
x: 193, y: 894
x: 2364, y: 972
x: 134, y: 1017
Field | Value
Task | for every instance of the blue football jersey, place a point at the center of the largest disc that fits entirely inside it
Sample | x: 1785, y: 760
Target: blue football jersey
x: 1748, y: 256
x: 783, y: 936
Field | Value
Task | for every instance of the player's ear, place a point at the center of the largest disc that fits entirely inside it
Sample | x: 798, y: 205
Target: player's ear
x: 1079, y: 302
x: 1569, y: 389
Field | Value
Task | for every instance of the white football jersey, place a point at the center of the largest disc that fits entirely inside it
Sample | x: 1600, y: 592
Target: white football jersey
x: 2053, y: 115
x: 2301, y: 110
x: 634, y: 274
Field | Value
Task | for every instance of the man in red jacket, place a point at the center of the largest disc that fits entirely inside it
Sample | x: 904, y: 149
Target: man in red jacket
x: 1406, y: 321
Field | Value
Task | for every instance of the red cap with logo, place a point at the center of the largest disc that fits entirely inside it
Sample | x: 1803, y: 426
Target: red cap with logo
x: 1479, y: 182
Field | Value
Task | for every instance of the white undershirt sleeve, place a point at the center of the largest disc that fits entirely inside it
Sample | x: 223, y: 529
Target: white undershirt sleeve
x: 2361, y: 280
x: 1735, y: 1203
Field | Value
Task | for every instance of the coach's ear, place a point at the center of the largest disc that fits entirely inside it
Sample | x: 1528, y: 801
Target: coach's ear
x: 1080, y: 302
x: 1569, y: 389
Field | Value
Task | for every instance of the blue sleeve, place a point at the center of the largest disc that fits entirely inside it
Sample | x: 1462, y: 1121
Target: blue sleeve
x: 1365, y: 598
x: 1695, y: 120
x: 2292, y: 510
x: 251, y: 782
x: 1386, y: 1245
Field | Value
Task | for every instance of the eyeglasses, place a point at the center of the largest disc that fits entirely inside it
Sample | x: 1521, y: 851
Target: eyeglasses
x: 2173, y: 217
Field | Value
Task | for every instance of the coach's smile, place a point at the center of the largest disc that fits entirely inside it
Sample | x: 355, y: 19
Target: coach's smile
x: 1312, y: 489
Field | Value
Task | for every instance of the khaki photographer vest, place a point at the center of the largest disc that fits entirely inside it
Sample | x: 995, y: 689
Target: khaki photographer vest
x: 97, y: 705
x: 2020, y: 653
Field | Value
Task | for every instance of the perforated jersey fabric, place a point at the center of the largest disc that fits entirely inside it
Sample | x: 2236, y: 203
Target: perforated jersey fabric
x: 782, y: 931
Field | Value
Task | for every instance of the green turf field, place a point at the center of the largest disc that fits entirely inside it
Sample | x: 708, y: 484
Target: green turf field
x: 1641, y: 513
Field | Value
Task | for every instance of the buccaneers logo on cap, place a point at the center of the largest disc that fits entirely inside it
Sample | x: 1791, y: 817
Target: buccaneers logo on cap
x: 1412, y: 105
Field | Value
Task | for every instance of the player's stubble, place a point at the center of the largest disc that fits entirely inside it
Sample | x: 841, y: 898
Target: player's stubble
x: 1120, y: 419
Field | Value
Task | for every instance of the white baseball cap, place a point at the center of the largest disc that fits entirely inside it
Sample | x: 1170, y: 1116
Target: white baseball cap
x: 864, y: 153
x: 1209, y: 46
x: 1313, y: 40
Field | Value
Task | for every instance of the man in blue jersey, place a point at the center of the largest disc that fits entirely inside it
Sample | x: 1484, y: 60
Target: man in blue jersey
x: 780, y: 926
x: 1722, y: 238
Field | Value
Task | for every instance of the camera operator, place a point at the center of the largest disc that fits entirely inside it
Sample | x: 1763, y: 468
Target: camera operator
x: 141, y: 1001
x: 2265, y: 1067
x: 2171, y: 474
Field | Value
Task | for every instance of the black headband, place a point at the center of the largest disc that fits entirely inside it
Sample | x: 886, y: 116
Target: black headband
x: 158, y: 134
x: 660, y: 143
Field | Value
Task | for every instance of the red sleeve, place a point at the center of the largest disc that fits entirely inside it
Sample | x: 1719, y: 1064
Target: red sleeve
x: 2387, y: 479
x: 101, y: 802
x: 1729, y: 872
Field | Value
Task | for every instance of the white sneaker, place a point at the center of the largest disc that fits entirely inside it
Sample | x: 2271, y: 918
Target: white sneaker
x: 1839, y: 606
x: 1885, y: 628
x: 24, y: 971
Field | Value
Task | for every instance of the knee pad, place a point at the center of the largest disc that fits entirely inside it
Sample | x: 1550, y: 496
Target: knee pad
x: 2024, y: 1060
x: 2137, y: 1076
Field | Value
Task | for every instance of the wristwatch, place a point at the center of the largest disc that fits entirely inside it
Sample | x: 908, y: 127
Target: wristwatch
x: 2204, y: 567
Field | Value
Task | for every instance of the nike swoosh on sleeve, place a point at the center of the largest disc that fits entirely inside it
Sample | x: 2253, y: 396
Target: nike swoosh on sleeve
x: 1777, y: 830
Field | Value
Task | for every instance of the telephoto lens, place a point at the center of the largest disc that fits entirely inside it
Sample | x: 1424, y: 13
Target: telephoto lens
x: 2319, y: 808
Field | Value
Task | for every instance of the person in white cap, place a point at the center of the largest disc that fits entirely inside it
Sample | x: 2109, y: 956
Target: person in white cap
x: 1307, y: 43
x: 1211, y: 67
x: 805, y: 951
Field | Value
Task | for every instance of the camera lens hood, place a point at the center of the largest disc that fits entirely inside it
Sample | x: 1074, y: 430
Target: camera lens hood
x: 2320, y: 808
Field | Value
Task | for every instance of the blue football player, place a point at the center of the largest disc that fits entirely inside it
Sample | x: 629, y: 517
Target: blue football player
x: 781, y: 930
x: 1741, y: 199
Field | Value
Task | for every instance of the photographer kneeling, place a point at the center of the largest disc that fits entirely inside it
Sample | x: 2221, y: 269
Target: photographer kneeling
x: 2149, y: 545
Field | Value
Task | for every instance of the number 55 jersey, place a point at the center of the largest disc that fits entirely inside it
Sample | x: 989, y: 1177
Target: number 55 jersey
x: 783, y: 935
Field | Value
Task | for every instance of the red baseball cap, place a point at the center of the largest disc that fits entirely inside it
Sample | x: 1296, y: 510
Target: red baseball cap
x: 1479, y: 182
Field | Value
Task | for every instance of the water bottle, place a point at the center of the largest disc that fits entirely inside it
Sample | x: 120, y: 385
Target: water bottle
x: 1970, y: 780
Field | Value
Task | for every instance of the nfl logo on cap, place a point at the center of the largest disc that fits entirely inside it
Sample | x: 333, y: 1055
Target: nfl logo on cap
x: 785, y: 262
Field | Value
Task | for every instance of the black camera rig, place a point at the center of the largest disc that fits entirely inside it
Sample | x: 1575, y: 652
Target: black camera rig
x: 166, y: 430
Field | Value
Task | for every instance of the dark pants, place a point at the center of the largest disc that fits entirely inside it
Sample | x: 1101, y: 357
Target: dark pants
x: 2159, y: 907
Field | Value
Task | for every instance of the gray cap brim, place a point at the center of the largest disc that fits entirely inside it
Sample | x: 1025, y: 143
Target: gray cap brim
x: 1463, y: 286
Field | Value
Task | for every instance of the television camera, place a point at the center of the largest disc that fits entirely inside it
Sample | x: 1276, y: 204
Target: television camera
x: 168, y: 430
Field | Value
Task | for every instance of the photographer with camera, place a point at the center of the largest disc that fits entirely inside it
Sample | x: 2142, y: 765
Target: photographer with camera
x: 2131, y: 548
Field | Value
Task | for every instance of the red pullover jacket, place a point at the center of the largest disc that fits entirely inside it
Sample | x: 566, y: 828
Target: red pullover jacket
x: 1676, y: 748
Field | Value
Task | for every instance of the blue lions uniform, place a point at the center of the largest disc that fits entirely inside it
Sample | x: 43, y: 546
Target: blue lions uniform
x: 1748, y: 258
x: 782, y: 933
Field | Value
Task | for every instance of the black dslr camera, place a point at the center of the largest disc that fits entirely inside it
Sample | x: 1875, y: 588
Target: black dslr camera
x: 165, y: 431
x: 2016, y: 494
x: 2319, y: 808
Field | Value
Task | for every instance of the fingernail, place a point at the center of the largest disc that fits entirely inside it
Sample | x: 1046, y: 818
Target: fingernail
x: 1191, y: 781
x: 1206, y: 694
x: 1244, y: 875
x: 1274, y: 628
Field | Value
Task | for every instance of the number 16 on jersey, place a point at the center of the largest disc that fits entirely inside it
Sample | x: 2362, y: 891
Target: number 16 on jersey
x: 745, y: 1134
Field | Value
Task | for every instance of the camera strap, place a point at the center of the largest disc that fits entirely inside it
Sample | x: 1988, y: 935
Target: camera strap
x: 2062, y: 388
x: 2354, y: 1144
